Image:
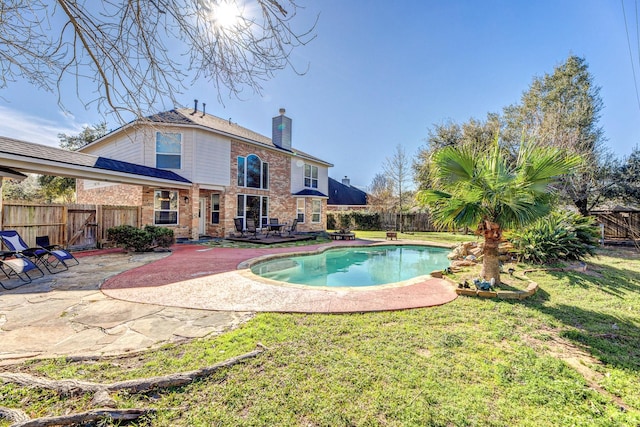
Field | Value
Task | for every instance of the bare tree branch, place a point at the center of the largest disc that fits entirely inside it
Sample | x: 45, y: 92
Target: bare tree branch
x: 138, y: 54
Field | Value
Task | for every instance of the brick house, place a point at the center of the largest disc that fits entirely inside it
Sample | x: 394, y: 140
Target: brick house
x: 234, y: 172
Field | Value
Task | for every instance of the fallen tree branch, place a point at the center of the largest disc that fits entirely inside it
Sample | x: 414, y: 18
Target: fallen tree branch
x: 13, y: 415
x: 85, y: 417
x: 101, y: 396
x: 72, y: 387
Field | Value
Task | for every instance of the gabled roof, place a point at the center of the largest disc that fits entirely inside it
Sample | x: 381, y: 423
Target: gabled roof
x: 187, y: 117
x: 310, y: 192
x: 340, y: 194
x: 26, y: 156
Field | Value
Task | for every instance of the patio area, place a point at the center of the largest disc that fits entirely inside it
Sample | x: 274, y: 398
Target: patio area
x: 208, y: 278
x: 116, y: 302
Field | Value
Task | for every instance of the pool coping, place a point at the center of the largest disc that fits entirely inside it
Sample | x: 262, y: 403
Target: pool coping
x: 245, y: 267
x: 179, y: 281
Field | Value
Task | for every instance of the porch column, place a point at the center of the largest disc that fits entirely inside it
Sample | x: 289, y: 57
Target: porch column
x: 194, y: 205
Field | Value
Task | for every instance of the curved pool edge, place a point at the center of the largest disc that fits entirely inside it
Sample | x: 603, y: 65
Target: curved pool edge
x: 244, y: 267
x: 232, y: 290
x: 247, y: 264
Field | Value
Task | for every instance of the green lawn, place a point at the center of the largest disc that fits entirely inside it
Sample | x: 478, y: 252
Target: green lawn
x: 570, y: 355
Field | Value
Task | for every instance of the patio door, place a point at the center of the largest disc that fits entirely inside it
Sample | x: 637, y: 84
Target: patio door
x: 254, y: 207
x: 202, y: 216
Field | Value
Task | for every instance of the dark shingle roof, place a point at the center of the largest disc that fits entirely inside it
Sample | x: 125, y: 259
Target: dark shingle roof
x: 309, y: 192
x: 120, y: 166
x: 340, y: 194
x: 171, y: 116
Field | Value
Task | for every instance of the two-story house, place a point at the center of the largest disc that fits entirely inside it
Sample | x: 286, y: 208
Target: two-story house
x: 234, y: 172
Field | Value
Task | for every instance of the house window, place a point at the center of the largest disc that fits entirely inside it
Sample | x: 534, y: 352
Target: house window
x: 241, y: 172
x: 310, y: 176
x: 215, y: 209
x: 255, y: 207
x: 300, y: 210
x: 165, y: 207
x: 253, y: 172
x: 168, y: 150
x: 316, y: 210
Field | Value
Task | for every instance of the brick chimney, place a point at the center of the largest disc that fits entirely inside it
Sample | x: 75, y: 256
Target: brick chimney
x: 281, y: 131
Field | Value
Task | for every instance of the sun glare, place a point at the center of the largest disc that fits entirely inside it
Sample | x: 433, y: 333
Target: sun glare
x: 225, y: 14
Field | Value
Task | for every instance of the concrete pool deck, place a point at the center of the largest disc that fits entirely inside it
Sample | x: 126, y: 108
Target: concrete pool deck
x: 116, y: 303
x: 207, y: 278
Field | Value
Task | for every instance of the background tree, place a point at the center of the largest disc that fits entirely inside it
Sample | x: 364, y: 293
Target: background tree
x: 625, y: 179
x: 475, y: 134
x: 27, y: 190
x: 397, y: 170
x: 380, y: 194
x: 139, y: 53
x: 492, y: 193
x: 87, y: 135
x: 562, y: 110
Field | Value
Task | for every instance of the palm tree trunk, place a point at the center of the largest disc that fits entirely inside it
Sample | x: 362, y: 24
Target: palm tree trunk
x: 491, y: 260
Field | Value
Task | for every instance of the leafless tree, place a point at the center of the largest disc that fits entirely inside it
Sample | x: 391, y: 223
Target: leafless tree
x: 397, y: 169
x: 137, y: 54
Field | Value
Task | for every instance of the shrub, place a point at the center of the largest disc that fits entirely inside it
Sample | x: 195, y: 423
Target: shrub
x: 562, y: 235
x: 357, y: 220
x: 162, y: 236
x: 140, y: 240
x: 331, y: 221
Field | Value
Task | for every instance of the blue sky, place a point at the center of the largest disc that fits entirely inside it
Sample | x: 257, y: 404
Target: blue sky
x: 382, y: 73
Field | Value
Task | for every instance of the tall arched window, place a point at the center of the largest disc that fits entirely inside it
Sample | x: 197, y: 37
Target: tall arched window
x: 253, y: 172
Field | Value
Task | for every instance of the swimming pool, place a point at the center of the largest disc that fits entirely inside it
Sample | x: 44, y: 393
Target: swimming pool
x: 355, y: 266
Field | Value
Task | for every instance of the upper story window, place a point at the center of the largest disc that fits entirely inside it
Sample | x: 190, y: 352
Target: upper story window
x: 253, y: 172
x: 310, y: 176
x: 168, y: 150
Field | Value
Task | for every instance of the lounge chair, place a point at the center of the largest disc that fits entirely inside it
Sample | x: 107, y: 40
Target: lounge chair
x: 20, y: 268
x: 54, y: 261
x: 239, y: 226
x: 58, y: 252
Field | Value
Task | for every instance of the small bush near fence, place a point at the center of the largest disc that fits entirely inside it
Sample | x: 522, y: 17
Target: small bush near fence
x: 354, y: 220
x: 141, y: 240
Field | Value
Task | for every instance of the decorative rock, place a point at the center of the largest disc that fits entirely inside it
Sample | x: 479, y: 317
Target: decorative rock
x: 437, y: 274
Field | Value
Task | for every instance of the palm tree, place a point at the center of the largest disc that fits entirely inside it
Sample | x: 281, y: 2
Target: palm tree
x: 492, y: 193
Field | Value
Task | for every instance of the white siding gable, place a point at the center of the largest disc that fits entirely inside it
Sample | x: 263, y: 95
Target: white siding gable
x: 212, y: 159
x: 297, y: 175
x: 126, y: 148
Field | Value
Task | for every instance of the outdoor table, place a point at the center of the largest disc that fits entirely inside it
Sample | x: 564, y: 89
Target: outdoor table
x: 276, y: 228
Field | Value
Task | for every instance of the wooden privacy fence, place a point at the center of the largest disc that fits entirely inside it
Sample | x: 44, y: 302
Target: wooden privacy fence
x: 619, y: 224
x: 73, y: 226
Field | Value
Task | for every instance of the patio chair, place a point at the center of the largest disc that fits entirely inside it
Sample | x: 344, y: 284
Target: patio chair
x: 59, y: 253
x: 19, y: 268
x: 292, y: 228
x: 54, y: 261
x: 239, y: 226
x: 251, y: 228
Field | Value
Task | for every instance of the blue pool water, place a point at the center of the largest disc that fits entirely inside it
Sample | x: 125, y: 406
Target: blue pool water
x: 355, y: 266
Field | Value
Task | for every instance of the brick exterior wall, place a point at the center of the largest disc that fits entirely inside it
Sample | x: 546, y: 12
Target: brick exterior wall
x: 116, y: 195
x: 282, y: 204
